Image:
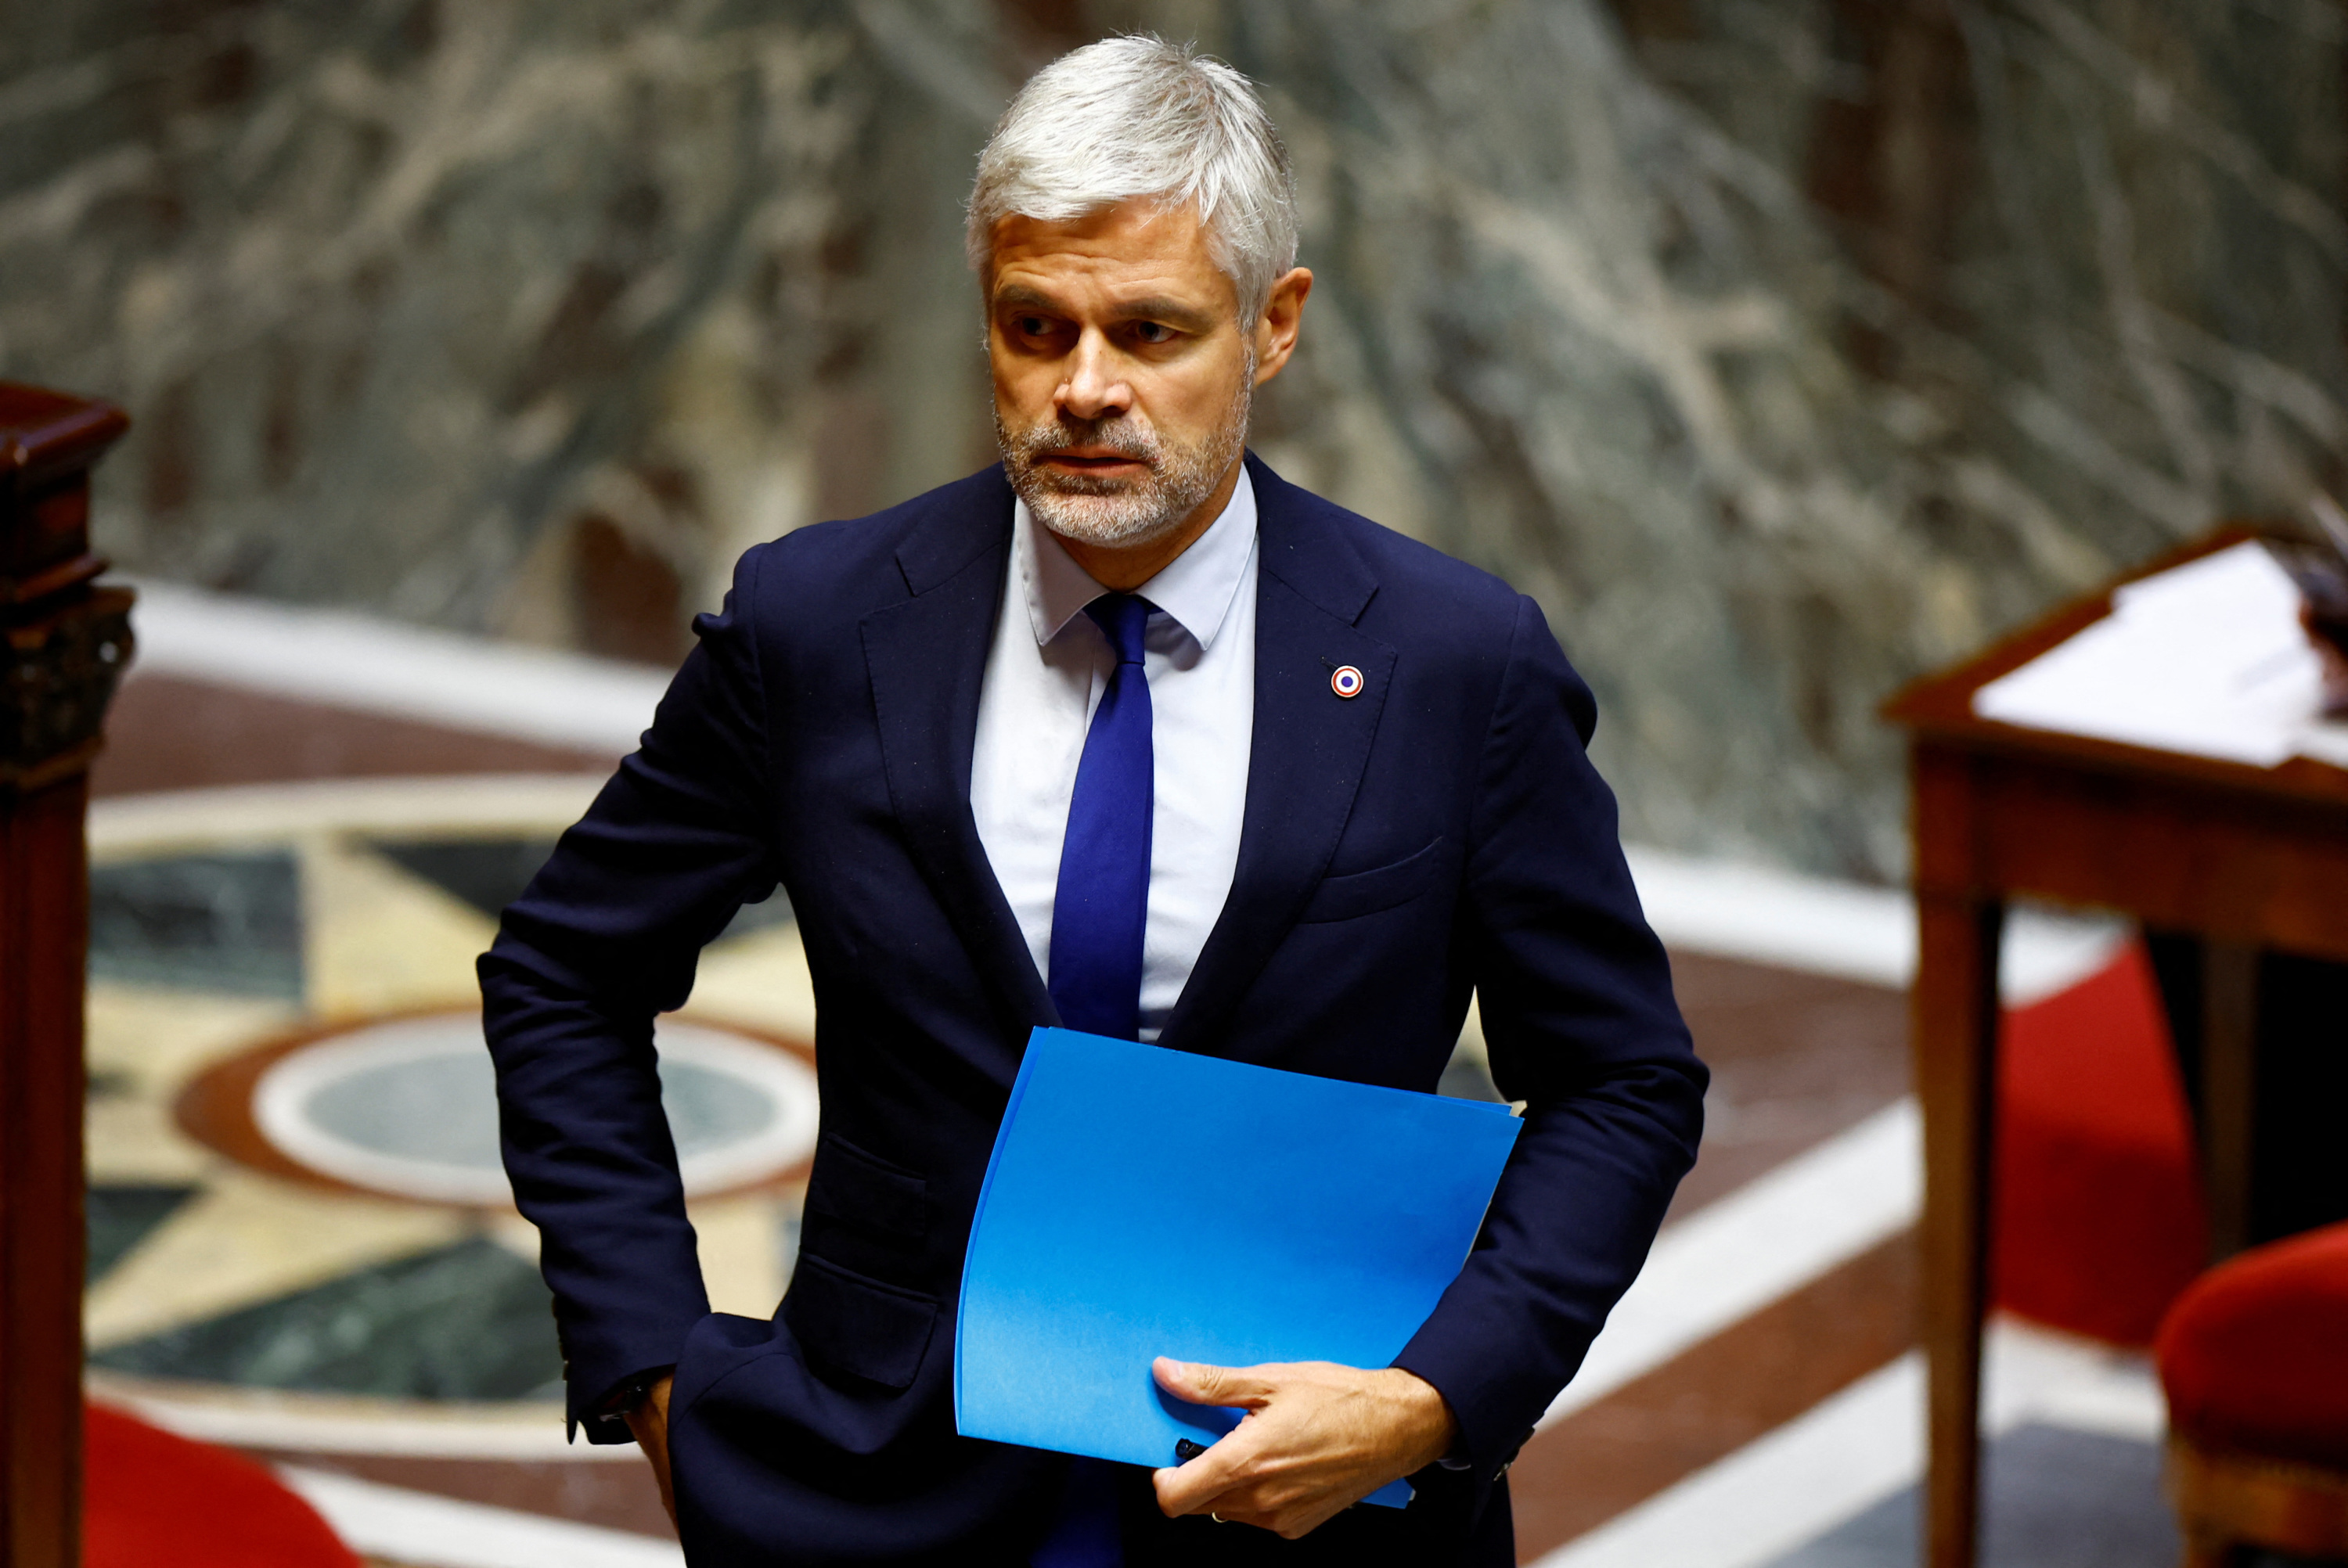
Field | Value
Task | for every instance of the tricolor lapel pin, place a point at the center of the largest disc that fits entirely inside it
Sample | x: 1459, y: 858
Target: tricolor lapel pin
x: 1345, y: 681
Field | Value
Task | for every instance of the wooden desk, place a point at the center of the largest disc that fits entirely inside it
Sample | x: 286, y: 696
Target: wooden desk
x: 2248, y: 857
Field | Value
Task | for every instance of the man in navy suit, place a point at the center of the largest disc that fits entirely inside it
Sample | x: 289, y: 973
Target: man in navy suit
x: 1126, y: 733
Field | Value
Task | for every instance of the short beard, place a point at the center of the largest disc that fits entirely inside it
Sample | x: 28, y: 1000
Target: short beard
x: 1112, y: 512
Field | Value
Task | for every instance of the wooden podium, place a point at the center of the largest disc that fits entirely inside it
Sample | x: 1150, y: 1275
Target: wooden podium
x: 2247, y: 857
x: 67, y: 643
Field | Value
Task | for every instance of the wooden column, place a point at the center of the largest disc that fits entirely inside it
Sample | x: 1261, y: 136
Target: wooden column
x: 67, y: 643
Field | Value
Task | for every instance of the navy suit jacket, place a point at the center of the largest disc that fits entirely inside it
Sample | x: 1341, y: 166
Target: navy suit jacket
x: 1441, y: 833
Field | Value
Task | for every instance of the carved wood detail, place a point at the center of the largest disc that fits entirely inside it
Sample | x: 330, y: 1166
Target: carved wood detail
x: 64, y: 643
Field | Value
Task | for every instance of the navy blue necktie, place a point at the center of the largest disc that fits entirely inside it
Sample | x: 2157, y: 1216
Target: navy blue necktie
x: 1100, y: 910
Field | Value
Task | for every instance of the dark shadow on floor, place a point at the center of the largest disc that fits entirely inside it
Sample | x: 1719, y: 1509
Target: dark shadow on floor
x: 2054, y: 1498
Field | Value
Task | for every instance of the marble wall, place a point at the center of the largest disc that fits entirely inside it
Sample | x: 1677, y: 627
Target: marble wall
x: 1782, y: 348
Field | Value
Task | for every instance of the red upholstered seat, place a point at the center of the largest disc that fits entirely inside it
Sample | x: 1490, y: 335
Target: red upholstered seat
x: 2254, y: 1356
x: 2099, y: 1217
x: 151, y: 1499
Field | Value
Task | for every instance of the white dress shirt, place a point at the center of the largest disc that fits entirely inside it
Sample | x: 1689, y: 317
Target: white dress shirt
x: 1048, y: 670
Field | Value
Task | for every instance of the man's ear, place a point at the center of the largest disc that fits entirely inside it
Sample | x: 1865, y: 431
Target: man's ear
x: 1276, y: 329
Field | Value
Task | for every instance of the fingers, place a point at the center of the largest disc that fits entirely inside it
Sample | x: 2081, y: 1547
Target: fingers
x: 1243, y: 1480
x: 1245, y: 1388
x: 1284, y: 1507
x: 1316, y: 1438
x: 1199, y: 1484
x: 649, y: 1424
x: 1194, y: 1486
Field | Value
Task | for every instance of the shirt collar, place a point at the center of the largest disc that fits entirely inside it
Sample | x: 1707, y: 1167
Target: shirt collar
x: 1195, y: 587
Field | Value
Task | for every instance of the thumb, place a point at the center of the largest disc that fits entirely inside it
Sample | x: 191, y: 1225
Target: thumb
x: 1197, y: 1383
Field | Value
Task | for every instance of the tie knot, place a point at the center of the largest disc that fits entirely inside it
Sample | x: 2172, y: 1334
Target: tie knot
x: 1122, y: 618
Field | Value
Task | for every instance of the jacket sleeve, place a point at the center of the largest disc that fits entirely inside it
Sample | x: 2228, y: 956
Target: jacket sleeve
x: 1575, y: 994
x: 606, y: 935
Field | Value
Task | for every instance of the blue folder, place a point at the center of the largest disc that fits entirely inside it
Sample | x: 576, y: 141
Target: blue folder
x: 1143, y: 1203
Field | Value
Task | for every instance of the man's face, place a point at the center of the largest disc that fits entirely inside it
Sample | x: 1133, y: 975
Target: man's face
x: 1122, y: 380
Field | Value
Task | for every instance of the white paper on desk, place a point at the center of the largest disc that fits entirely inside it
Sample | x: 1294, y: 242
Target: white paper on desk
x: 2326, y: 741
x: 2207, y: 658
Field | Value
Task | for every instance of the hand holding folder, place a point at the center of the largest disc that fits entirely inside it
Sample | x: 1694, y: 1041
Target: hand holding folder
x: 1144, y: 1202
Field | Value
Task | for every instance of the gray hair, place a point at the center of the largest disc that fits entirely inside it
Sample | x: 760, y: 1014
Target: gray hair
x: 1136, y: 116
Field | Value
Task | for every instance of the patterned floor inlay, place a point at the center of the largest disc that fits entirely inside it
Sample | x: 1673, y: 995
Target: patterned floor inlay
x: 406, y: 1106
x: 121, y: 1215
x: 490, y: 873
x: 419, y: 1529
x: 229, y: 924
x: 487, y: 874
x: 295, y: 1191
x: 469, y: 1321
x: 610, y: 1496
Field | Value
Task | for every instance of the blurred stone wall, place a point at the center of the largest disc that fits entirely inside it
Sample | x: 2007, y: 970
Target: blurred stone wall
x: 1782, y: 348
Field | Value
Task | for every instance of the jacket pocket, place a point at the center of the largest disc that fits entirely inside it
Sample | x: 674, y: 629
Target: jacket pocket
x: 1367, y: 892
x: 846, y: 1323
x: 866, y: 1192
x: 866, y: 1216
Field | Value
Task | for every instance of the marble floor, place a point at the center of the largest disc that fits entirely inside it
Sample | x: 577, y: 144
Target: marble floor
x: 299, y: 1246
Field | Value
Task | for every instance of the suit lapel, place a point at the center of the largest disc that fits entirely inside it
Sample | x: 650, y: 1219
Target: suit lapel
x: 927, y: 656
x: 1308, y: 751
